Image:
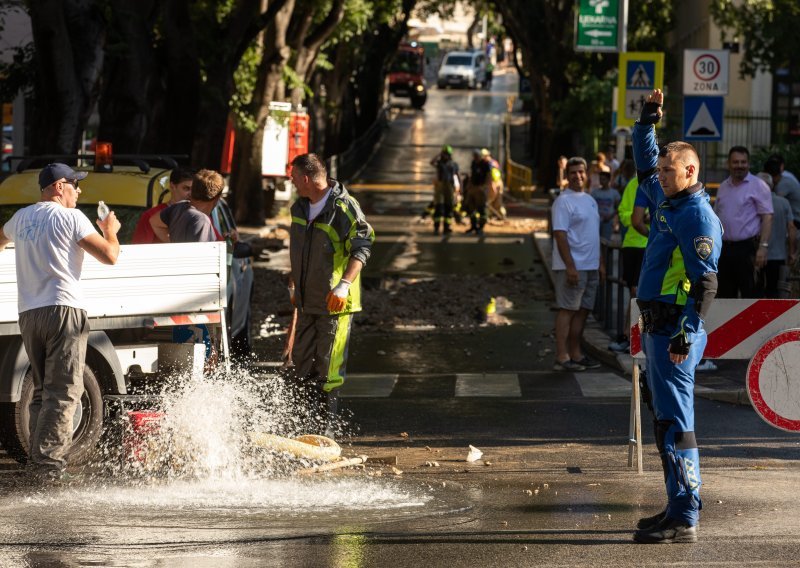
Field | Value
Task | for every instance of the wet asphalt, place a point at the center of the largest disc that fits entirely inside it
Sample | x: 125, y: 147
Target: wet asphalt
x: 551, y: 489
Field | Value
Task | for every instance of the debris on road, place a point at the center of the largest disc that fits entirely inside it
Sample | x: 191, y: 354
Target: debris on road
x: 474, y: 454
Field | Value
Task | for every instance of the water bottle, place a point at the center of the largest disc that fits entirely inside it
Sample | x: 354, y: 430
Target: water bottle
x: 102, y: 210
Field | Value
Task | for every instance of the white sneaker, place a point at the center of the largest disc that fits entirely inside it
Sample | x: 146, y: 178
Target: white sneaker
x: 619, y: 346
x: 706, y: 365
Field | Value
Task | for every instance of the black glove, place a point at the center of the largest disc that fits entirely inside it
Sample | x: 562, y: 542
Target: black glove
x: 649, y: 114
x: 678, y: 344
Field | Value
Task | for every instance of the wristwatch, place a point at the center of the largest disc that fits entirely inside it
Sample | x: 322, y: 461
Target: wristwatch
x: 765, y: 245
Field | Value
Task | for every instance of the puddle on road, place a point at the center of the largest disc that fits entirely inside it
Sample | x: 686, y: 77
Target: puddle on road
x: 200, y: 479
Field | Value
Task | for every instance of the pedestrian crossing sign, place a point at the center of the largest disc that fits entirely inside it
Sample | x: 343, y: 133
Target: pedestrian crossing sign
x: 702, y: 118
x: 639, y: 73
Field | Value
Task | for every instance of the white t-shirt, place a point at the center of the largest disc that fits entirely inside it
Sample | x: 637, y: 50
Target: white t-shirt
x: 576, y: 213
x: 314, y: 209
x: 49, y: 259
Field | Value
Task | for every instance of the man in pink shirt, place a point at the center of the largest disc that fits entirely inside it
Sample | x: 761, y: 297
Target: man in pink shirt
x: 744, y: 205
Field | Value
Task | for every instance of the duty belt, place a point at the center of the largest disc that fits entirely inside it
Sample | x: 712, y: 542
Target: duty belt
x: 655, y: 316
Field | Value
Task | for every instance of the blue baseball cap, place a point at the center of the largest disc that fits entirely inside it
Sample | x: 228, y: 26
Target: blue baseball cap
x: 51, y: 173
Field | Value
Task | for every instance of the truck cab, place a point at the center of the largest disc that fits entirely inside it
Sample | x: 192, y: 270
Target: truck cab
x: 407, y: 74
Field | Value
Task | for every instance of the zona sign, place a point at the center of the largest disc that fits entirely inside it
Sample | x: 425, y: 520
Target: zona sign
x: 705, y: 72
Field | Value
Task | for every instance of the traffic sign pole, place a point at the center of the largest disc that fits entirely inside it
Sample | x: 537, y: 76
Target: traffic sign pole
x: 623, y: 26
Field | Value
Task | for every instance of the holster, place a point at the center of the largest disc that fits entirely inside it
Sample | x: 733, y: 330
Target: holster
x: 657, y: 316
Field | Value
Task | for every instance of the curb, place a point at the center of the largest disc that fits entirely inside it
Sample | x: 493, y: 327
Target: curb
x: 595, y: 339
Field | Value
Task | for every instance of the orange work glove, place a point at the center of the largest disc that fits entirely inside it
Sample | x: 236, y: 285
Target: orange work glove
x: 337, y: 298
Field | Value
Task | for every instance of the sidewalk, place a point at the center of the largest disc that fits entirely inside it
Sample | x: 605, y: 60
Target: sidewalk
x: 596, y: 340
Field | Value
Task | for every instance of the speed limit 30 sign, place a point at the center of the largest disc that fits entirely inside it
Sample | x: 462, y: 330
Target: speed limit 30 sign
x: 705, y: 72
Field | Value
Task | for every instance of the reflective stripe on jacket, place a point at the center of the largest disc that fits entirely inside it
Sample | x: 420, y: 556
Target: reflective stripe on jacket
x: 319, y: 251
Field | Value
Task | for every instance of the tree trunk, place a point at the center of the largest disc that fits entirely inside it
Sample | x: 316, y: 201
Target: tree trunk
x: 69, y: 37
x: 476, y: 21
x: 132, y: 94
x: 247, y: 181
x: 177, y: 126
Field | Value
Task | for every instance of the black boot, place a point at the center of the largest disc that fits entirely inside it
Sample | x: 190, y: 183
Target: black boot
x: 646, y: 523
x: 667, y: 531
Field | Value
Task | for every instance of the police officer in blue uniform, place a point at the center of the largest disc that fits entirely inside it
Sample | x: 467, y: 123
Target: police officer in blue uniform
x: 672, y: 314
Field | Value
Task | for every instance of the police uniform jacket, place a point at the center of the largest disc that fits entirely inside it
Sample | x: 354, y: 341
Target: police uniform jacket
x: 685, y: 222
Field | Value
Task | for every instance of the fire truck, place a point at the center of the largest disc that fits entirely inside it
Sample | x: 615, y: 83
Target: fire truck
x: 407, y: 74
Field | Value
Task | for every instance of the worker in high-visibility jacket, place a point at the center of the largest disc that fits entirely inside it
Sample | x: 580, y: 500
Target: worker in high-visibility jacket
x: 330, y: 242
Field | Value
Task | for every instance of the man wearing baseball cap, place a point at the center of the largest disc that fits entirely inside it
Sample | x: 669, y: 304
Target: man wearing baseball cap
x: 50, y: 238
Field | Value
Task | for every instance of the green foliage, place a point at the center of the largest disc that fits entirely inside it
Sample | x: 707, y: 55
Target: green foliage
x: 789, y: 152
x: 767, y: 30
x: 587, y: 108
x: 245, y: 79
x: 293, y: 81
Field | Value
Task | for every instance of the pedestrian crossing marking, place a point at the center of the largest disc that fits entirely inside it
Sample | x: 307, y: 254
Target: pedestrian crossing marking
x: 505, y: 385
x: 368, y: 386
x: 602, y: 385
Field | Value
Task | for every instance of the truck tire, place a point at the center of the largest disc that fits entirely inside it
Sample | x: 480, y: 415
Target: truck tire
x: 87, y: 426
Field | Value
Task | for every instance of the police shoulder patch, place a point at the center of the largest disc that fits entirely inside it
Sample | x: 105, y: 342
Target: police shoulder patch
x: 703, y: 246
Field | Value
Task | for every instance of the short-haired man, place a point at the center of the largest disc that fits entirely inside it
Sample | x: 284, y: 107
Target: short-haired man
x: 744, y: 206
x: 180, y: 189
x: 785, y: 186
x: 50, y: 239
x: 190, y: 221
x: 782, y: 241
x: 329, y: 243
x: 672, y: 314
x: 577, y: 266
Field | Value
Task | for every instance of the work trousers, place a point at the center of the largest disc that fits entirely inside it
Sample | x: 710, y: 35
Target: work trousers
x: 476, y: 204
x: 443, y: 197
x: 737, y: 272
x: 672, y: 388
x: 55, y: 339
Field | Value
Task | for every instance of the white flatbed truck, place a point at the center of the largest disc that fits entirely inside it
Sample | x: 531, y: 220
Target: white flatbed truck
x: 132, y: 307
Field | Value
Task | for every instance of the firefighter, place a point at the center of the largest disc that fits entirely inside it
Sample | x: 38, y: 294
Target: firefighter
x: 330, y: 242
x: 672, y: 315
x: 477, y: 190
x: 444, y: 189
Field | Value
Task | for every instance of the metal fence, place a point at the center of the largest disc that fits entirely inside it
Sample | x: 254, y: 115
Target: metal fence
x: 348, y: 164
x: 613, y: 296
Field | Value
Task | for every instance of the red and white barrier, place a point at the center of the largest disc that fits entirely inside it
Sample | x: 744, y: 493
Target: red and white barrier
x: 735, y: 328
x: 763, y: 331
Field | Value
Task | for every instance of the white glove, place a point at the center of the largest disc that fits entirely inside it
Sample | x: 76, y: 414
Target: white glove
x: 341, y: 289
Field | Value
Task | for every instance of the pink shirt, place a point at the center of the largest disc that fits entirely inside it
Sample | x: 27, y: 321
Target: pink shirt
x: 739, y: 207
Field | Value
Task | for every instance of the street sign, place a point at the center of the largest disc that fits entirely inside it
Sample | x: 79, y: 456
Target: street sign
x: 702, y: 118
x: 773, y: 383
x: 597, y: 25
x: 705, y: 72
x: 639, y: 73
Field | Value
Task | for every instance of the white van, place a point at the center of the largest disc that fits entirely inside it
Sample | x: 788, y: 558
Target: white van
x: 462, y: 69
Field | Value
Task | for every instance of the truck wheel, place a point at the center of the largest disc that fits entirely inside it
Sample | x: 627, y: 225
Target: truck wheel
x: 418, y: 102
x: 87, y: 423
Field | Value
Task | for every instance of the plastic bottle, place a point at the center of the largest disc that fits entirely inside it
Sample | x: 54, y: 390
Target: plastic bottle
x: 102, y: 210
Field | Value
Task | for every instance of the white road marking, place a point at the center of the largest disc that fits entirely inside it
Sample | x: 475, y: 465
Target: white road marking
x: 368, y: 385
x: 488, y: 385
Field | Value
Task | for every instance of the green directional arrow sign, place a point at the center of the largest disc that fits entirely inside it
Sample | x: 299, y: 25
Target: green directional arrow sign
x: 597, y: 25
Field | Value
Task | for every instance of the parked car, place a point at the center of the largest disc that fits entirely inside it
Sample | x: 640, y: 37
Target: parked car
x: 463, y: 69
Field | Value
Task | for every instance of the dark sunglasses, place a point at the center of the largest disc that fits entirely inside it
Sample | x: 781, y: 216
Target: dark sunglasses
x: 73, y: 182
